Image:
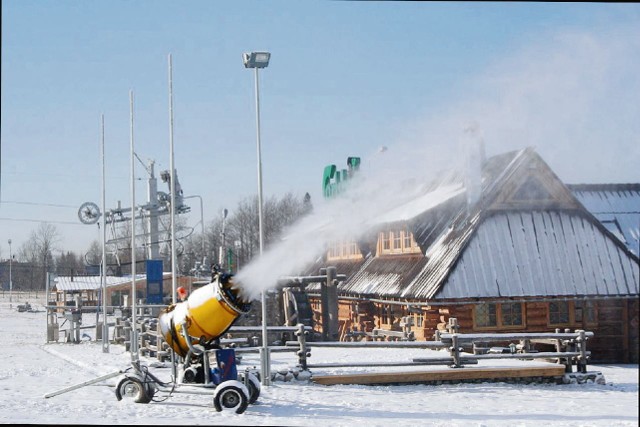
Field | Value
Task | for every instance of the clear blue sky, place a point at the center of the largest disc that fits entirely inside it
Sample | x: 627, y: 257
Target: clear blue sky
x: 345, y: 78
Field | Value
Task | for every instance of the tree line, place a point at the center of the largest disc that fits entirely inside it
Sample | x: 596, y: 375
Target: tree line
x: 195, y: 252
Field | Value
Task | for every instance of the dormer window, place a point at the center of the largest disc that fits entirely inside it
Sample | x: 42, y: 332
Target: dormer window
x: 343, y: 250
x: 399, y: 241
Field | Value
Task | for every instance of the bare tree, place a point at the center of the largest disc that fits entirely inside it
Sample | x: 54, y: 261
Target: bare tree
x: 38, y: 250
x: 93, y: 255
x: 68, y: 264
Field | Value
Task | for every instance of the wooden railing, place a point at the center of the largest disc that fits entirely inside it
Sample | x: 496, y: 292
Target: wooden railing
x: 571, y: 348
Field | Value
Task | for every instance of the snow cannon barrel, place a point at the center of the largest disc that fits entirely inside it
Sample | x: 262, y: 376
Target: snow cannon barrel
x: 207, y: 314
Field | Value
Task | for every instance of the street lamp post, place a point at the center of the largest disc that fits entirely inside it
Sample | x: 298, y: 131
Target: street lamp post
x: 222, y: 249
x: 10, y: 276
x: 257, y: 60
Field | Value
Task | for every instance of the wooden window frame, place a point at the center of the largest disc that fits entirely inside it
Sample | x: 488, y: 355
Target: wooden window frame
x: 502, y: 315
x: 499, y: 322
x: 569, y: 316
x: 475, y: 316
x: 571, y: 307
x: 343, y: 250
x: 394, y: 242
x: 397, y: 244
x: 586, y: 307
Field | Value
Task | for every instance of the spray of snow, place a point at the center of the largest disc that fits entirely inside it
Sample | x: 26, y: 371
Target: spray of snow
x: 376, y: 195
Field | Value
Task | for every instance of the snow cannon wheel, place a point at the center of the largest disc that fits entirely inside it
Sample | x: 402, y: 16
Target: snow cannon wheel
x: 231, y: 395
x: 253, y: 385
x: 132, y: 388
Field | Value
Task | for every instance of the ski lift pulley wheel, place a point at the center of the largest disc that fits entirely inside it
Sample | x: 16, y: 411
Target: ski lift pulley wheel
x: 89, y: 213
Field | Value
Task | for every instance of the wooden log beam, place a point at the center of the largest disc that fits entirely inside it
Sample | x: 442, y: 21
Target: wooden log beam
x: 441, y: 375
x: 375, y: 344
x: 540, y: 355
x: 447, y: 337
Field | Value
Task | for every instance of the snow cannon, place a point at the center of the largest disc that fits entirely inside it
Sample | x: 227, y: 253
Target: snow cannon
x: 206, y: 315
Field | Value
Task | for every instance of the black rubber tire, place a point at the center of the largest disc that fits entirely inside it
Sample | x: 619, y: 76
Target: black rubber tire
x: 253, y: 385
x: 133, y: 388
x: 151, y: 391
x: 230, y: 397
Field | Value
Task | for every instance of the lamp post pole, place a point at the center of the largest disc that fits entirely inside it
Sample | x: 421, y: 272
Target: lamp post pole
x: 258, y: 60
x: 222, y: 249
x: 265, y: 368
x: 10, y: 276
x: 103, y: 242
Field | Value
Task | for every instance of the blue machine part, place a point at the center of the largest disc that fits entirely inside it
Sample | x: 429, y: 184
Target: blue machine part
x: 226, y: 366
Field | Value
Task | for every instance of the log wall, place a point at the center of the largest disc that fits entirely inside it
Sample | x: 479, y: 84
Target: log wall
x: 616, y: 327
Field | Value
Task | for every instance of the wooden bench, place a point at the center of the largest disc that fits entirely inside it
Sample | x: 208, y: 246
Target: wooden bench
x: 416, y: 377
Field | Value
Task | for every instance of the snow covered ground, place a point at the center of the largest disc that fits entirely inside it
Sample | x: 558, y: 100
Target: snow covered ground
x: 30, y: 368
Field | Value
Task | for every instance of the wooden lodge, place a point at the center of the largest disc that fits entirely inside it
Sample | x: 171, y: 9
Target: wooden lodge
x: 527, y: 254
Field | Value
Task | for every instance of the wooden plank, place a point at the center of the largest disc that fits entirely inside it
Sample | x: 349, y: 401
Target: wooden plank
x: 441, y: 375
x: 414, y: 362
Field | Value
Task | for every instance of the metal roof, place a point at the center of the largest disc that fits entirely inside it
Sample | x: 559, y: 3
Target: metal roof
x: 617, y: 207
x: 523, y: 254
x: 386, y: 275
x: 89, y: 283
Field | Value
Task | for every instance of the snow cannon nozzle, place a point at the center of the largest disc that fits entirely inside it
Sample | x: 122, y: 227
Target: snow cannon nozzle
x: 232, y: 294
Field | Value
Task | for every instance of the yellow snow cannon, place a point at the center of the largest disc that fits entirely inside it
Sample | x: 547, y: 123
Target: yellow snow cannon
x: 206, y: 315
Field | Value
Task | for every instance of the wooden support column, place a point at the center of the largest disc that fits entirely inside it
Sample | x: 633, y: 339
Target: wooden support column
x: 329, y: 295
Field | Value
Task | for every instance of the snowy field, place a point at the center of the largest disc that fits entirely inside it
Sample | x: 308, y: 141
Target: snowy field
x: 32, y: 368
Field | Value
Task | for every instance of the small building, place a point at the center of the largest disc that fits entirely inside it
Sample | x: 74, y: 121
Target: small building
x: 527, y: 254
x: 88, y: 289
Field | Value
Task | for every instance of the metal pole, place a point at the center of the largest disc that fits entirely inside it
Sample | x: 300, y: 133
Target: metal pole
x: 204, y: 254
x: 173, y: 206
x: 83, y: 384
x: 173, y: 187
x: 103, y: 267
x: 224, y: 264
x: 221, y: 251
x: 152, y: 219
x: 264, y: 360
x: 10, y: 277
x: 46, y: 305
x: 134, y: 332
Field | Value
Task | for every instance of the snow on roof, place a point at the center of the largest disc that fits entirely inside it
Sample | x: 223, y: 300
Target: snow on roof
x: 422, y: 204
x: 88, y: 283
x: 617, y: 207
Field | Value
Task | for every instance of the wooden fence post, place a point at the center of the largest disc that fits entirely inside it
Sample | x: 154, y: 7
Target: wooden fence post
x: 582, y: 344
x: 303, y: 352
x: 454, y: 350
x: 453, y: 325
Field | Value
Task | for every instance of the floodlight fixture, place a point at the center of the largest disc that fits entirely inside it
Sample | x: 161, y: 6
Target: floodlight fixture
x: 256, y: 59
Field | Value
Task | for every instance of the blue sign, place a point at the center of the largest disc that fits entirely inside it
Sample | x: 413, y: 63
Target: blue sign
x: 154, y: 281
